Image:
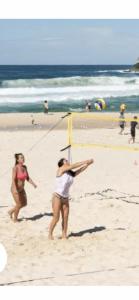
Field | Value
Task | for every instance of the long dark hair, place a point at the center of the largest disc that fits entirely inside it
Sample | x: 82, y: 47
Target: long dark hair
x: 17, y: 157
x: 61, y: 162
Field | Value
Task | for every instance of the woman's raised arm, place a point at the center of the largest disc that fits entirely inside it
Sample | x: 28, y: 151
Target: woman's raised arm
x: 66, y: 168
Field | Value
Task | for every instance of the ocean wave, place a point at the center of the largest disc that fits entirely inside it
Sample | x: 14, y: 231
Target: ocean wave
x: 113, y: 71
x: 67, y: 93
x: 130, y: 81
x: 67, y: 82
x: 67, y: 89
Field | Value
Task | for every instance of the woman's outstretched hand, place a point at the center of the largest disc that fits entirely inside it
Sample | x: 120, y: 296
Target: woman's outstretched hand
x: 90, y: 161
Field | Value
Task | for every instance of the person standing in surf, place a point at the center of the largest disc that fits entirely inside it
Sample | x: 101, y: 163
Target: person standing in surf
x: 88, y: 106
x: 46, y: 107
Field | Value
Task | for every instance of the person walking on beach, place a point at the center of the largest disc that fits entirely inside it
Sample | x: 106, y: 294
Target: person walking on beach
x: 133, y: 125
x: 32, y: 120
x: 60, y: 199
x: 46, y: 107
x: 122, y: 122
x: 19, y: 175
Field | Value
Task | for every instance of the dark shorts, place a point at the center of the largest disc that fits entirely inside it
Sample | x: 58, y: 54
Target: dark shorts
x: 133, y: 132
x: 122, y: 126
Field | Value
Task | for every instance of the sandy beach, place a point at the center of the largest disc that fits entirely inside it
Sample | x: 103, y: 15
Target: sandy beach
x: 103, y: 243
x: 12, y: 121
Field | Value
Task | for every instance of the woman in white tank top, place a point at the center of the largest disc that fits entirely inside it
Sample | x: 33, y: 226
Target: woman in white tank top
x: 60, y: 200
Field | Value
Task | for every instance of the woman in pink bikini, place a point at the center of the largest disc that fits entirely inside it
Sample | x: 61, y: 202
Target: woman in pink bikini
x: 19, y: 175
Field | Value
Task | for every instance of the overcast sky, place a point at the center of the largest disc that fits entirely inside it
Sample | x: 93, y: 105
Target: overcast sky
x: 69, y: 41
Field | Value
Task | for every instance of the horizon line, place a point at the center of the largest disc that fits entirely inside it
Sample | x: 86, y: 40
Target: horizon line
x: 66, y: 64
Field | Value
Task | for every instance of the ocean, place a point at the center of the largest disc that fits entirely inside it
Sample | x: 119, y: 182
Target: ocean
x: 67, y: 87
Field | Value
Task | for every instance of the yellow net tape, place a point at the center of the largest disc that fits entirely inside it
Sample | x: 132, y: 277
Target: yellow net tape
x: 95, y: 117
x: 102, y: 118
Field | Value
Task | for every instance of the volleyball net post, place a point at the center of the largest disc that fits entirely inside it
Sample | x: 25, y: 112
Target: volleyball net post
x: 69, y: 135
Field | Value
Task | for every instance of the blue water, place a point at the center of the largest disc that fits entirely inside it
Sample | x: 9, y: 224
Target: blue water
x: 24, y: 88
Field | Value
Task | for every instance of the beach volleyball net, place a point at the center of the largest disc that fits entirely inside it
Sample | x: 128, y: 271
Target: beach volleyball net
x: 100, y: 130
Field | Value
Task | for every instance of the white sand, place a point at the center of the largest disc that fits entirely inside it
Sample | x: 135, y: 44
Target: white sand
x: 104, y: 245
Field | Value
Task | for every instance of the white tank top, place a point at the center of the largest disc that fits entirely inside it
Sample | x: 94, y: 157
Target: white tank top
x: 63, y: 184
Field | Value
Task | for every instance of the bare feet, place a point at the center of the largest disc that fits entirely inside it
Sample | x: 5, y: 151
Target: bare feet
x: 10, y: 214
x: 15, y: 220
x: 50, y: 237
x: 64, y: 236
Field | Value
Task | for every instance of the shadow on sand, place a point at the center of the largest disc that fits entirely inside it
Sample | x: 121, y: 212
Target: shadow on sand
x: 91, y: 230
x: 36, y: 217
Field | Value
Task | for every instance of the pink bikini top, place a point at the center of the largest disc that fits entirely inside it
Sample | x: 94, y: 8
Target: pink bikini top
x: 21, y: 175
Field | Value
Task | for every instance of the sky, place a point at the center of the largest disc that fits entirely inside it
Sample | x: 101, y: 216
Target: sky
x: 69, y: 42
